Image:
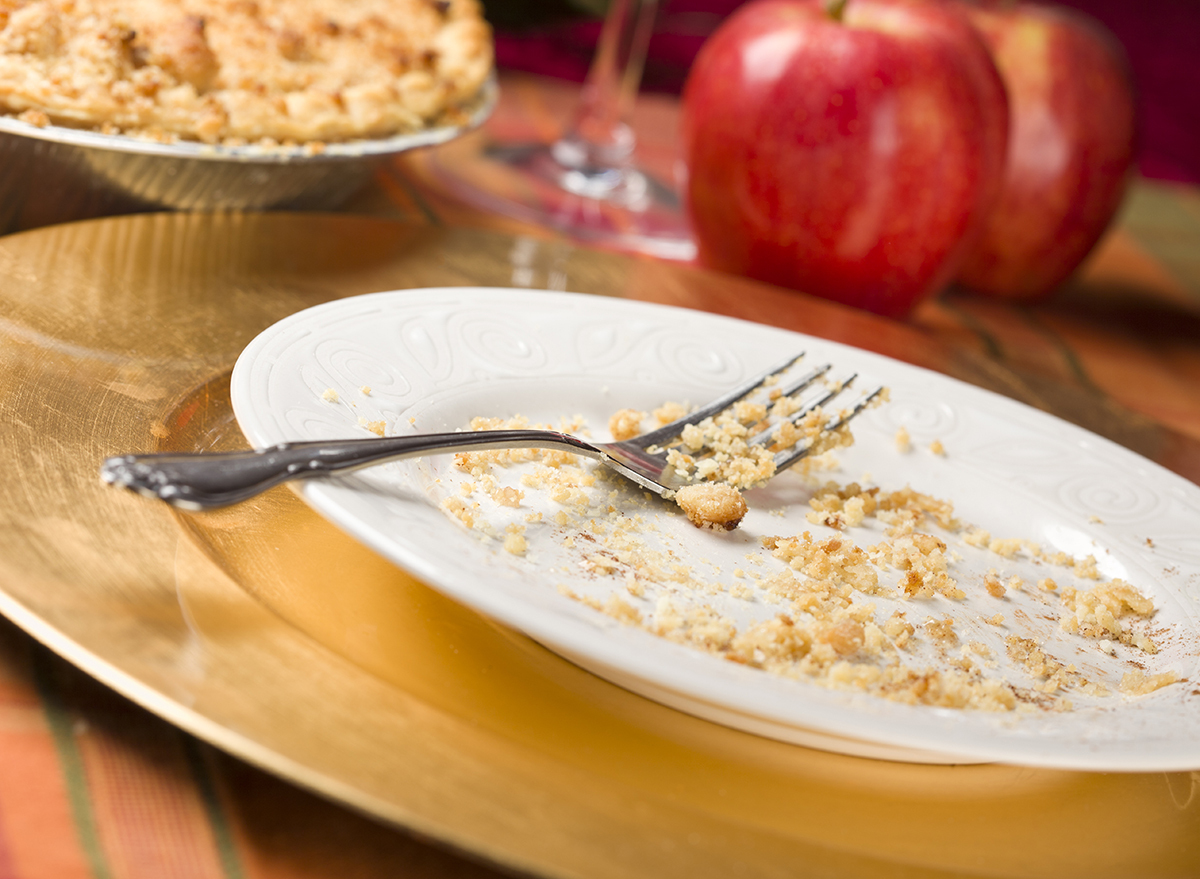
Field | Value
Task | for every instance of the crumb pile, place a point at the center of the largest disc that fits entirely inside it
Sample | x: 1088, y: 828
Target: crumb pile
x: 876, y: 597
x: 242, y: 71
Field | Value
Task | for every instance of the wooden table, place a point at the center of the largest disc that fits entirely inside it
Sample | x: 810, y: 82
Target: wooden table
x: 91, y: 785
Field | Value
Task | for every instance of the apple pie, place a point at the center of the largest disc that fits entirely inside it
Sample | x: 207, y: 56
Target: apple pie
x: 243, y: 71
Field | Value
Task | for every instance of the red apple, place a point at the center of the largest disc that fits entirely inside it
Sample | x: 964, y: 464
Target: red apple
x: 846, y: 150
x: 1070, y: 147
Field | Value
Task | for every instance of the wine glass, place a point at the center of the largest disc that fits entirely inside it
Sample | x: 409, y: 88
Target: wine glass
x: 585, y: 183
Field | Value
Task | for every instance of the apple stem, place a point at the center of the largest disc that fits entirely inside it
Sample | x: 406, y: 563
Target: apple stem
x: 835, y: 9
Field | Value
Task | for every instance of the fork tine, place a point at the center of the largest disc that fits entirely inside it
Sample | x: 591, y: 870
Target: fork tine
x: 788, y: 457
x: 672, y: 430
x: 763, y: 437
x: 805, y: 380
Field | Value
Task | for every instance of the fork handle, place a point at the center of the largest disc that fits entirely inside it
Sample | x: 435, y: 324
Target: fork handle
x: 206, y: 480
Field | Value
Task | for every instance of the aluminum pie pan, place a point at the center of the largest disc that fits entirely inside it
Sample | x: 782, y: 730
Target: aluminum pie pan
x: 52, y: 174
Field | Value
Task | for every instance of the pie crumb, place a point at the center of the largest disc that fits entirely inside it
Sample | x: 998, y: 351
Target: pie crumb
x: 1138, y: 683
x: 711, y: 505
x: 376, y: 427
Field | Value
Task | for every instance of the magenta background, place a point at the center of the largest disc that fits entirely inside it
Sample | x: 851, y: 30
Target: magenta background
x: 1161, y: 37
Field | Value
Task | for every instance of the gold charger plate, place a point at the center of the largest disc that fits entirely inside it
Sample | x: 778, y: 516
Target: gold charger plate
x: 267, y: 632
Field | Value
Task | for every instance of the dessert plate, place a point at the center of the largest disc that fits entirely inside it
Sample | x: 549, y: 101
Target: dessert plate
x: 624, y: 586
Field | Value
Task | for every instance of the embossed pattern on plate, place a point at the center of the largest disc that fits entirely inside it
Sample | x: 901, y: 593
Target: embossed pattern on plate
x: 432, y: 359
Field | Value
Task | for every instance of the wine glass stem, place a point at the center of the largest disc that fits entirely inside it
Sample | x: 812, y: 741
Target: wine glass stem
x: 599, y: 140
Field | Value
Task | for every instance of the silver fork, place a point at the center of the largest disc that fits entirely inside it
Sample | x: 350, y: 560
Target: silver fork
x: 206, y: 480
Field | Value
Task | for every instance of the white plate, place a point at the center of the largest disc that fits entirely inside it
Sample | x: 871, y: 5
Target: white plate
x: 433, y: 359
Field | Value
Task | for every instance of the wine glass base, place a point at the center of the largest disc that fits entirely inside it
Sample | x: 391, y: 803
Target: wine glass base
x: 618, y: 209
